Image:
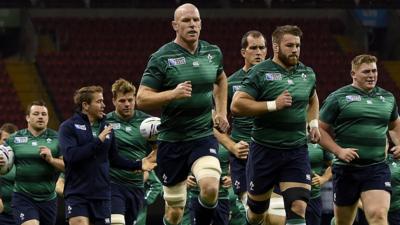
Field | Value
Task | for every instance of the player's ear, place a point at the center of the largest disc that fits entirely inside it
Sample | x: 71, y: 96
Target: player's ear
x: 275, y: 47
x: 243, y: 52
x: 174, y: 25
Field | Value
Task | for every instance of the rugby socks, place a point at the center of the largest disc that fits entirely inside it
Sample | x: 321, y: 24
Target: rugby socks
x: 203, y: 213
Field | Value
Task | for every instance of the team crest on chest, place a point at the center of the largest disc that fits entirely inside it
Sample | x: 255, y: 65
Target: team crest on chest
x: 19, y: 140
x: 210, y: 58
x: 176, y: 61
x: 80, y: 126
x: 48, y: 140
x: 353, y: 98
x: 273, y: 76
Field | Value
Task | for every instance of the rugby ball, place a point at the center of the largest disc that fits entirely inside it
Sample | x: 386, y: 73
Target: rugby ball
x: 149, y: 128
x: 8, y: 155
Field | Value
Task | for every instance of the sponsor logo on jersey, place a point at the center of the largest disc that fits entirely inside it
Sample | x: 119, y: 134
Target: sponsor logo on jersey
x: 80, y: 126
x: 273, y: 76
x: 176, y: 61
x: 115, y: 126
x: 236, y: 87
x: 128, y: 129
x: 290, y: 82
x: 353, y: 98
x: 34, y: 143
x: 196, y: 64
x: 387, y: 184
x: 19, y: 140
x: 369, y: 102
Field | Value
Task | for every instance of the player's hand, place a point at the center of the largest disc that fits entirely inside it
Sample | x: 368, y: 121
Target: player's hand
x: 183, y: 90
x: 318, y: 180
x: 348, y: 154
x: 314, y: 134
x: 149, y: 162
x: 221, y: 123
x: 396, y: 152
x: 226, y: 182
x: 45, y: 153
x: 284, y: 100
x: 241, y: 150
x: 107, y: 130
x: 191, y: 181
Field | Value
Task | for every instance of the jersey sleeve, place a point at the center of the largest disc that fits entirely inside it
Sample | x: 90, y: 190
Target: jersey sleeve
x: 220, y: 68
x: 153, y: 74
x: 329, y: 110
x: 395, y: 112
x: 251, y: 84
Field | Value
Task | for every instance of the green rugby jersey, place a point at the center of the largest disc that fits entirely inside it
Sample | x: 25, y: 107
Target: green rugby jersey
x: 189, y: 118
x: 223, y: 156
x: 394, y: 166
x: 34, y: 177
x: 286, y: 128
x: 6, y: 189
x: 318, y: 158
x: 237, y: 209
x: 241, y: 126
x: 131, y: 145
x: 360, y: 120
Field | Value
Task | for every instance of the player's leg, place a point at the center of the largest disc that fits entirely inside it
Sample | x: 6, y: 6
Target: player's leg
x: 207, y: 171
x: 314, y: 211
x: 238, y: 175
x: 276, y: 214
x: 118, y: 204
x: 375, y: 195
x: 77, y: 211
x: 47, y: 211
x: 221, y: 213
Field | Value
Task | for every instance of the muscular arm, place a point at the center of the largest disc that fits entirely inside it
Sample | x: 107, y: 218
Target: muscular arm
x: 239, y: 149
x: 221, y: 94
x: 313, y: 108
x: 245, y: 105
x: 394, y: 132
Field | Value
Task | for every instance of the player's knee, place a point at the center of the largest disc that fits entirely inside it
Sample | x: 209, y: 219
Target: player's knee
x: 258, y: 207
x: 175, y: 196
x: 206, y: 167
x: 296, y: 200
x: 174, y: 214
x: 377, y: 214
x: 117, y: 219
x: 209, y: 194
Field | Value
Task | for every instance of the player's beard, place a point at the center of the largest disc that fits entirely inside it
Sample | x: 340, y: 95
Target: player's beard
x: 288, y: 61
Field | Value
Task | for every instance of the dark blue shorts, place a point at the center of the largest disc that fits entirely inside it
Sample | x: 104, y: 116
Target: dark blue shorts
x: 126, y: 201
x: 349, y: 182
x: 220, y: 215
x: 175, y: 159
x: 314, y: 211
x: 7, y: 219
x: 394, y: 217
x: 97, y: 210
x: 267, y: 167
x: 238, y: 173
x: 25, y: 208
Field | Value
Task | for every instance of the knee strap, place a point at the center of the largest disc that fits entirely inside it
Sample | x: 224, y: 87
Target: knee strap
x: 291, y: 195
x: 257, y: 207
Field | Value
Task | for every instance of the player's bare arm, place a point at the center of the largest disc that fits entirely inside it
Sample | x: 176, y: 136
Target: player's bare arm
x: 149, y: 99
x: 327, y: 142
x: 394, y: 128
x: 312, y: 117
x: 220, y: 96
x: 239, y: 149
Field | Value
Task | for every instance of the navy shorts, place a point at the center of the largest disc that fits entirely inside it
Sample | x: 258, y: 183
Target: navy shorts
x: 126, y: 201
x: 349, y: 182
x: 7, y: 219
x: 394, y: 217
x: 25, y: 208
x: 314, y: 211
x: 267, y: 167
x: 97, y: 210
x: 175, y: 159
x: 238, y: 174
x: 220, y: 215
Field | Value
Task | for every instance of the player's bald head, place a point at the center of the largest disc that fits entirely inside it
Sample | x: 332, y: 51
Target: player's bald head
x: 185, y: 7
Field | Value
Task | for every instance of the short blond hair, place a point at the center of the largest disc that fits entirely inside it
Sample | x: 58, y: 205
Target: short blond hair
x: 360, y: 59
x: 122, y: 86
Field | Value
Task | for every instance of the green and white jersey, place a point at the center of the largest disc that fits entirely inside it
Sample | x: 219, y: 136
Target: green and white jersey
x: 241, y: 125
x: 286, y: 128
x: 131, y: 145
x: 318, y: 160
x: 394, y: 166
x: 360, y: 120
x: 34, y: 177
x: 189, y: 118
x: 6, y: 189
x: 223, y: 156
